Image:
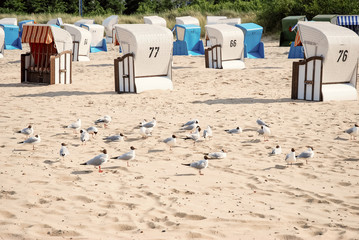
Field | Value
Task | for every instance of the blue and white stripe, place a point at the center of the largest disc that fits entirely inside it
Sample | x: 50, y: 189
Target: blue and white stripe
x: 348, y: 20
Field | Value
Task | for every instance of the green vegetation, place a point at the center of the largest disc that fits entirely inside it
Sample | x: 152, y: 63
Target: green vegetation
x: 267, y: 13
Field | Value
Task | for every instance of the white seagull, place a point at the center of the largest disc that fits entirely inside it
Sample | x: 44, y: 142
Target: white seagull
x: 127, y: 156
x: 64, y: 151
x: 75, y: 126
x: 260, y: 122
x: 194, y: 136
x: 309, y: 153
x: 234, y: 131
x: 85, y: 136
x: 105, y: 120
x: 92, y: 130
x: 115, y: 138
x: 207, y: 133
x: 145, y: 132
x: 32, y: 140
x: 265, y: 131
x: 150, y: 124
x: 190, y: 122
x: 217, y: 155
x: 353, y: 132
x: 171, y: 141
x: 190, y: 127
x: 27, y: 131
x: 276, y: 150
x: 202, y: 164
x: 98, y: 160
x: 290, y: 157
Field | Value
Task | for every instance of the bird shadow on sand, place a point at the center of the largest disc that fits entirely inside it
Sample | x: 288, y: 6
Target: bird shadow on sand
x: 280, y: 167
x: 185, y: 174
x: 252, y: 141
x: 82, y: 172
x: 155, y: 150
x: 351, y: 159
x: 50, y: 162
x: 20, y: 150
x: 245, y: 101
x: 341, y: 139
x: 133, y: 139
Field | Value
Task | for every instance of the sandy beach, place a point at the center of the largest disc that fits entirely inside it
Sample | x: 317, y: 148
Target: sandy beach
x: 248, y: 195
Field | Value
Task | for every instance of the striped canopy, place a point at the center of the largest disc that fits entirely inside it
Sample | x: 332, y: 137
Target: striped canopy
x: 37, y: 34
x: 348, y: 20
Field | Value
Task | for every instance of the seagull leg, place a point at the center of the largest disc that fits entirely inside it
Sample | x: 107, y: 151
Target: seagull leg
x: 99, y: 169
x: 200, y: 173
x: 128, y: 164
x: 33, y: 147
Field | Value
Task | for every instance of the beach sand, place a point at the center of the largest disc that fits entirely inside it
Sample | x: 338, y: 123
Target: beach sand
x: 248, y: 195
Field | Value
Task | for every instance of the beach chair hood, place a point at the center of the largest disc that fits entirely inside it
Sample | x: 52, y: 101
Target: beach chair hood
x: 339, y: 47
x: 43, y: 33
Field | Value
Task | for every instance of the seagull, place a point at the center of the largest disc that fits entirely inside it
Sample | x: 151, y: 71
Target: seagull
x: 353, y: 132
x: 261, y: 123
x: 307, y: 154
x: 127, y: 156
x: 265, y: 131
x: 234, y: 131
x: 190, y: 126
x: 290, y: 157
x: 32, y: 140
x: 85, y: 136
x: 27, y: 131
x: 277, y: 150
x: 171, y: 141
x: 217, y: 155
x: 194, y: 136
x: 145, y: 132
x: 202, y: 164
x: 191, y: 122
x: 115, y: 138
x: 207, y: 133
x: 150, y: 124
x: 98, y: 160
x: 105, y: 120
x: 92, y: 130
x: 64, y: 151
x: 75, y: 126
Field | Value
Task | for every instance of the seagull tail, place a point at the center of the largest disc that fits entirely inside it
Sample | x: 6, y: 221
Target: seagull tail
x: 84, y: 163
x: 114, y: 158
x: 227, y: 130
x: 186, y: 164
x: 21, y: 142
x: 206, y: 154
x: 186, y: 138
x: 18, y: 131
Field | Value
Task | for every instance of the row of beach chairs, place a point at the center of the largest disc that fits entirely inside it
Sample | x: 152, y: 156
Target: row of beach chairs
x: 147, y: 49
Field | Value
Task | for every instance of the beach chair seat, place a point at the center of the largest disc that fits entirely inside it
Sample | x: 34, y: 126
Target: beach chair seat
x: 50, y: 58
x: 81, y: 39
x: 155, y: 20
x: 12, y: 39
x: 109, y: 24
x: 146, y: 61
x: 253, y: 47
x: 2, y: 42
x: 329, y: 71
x: 227, y: 50
x: 98, y: 42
